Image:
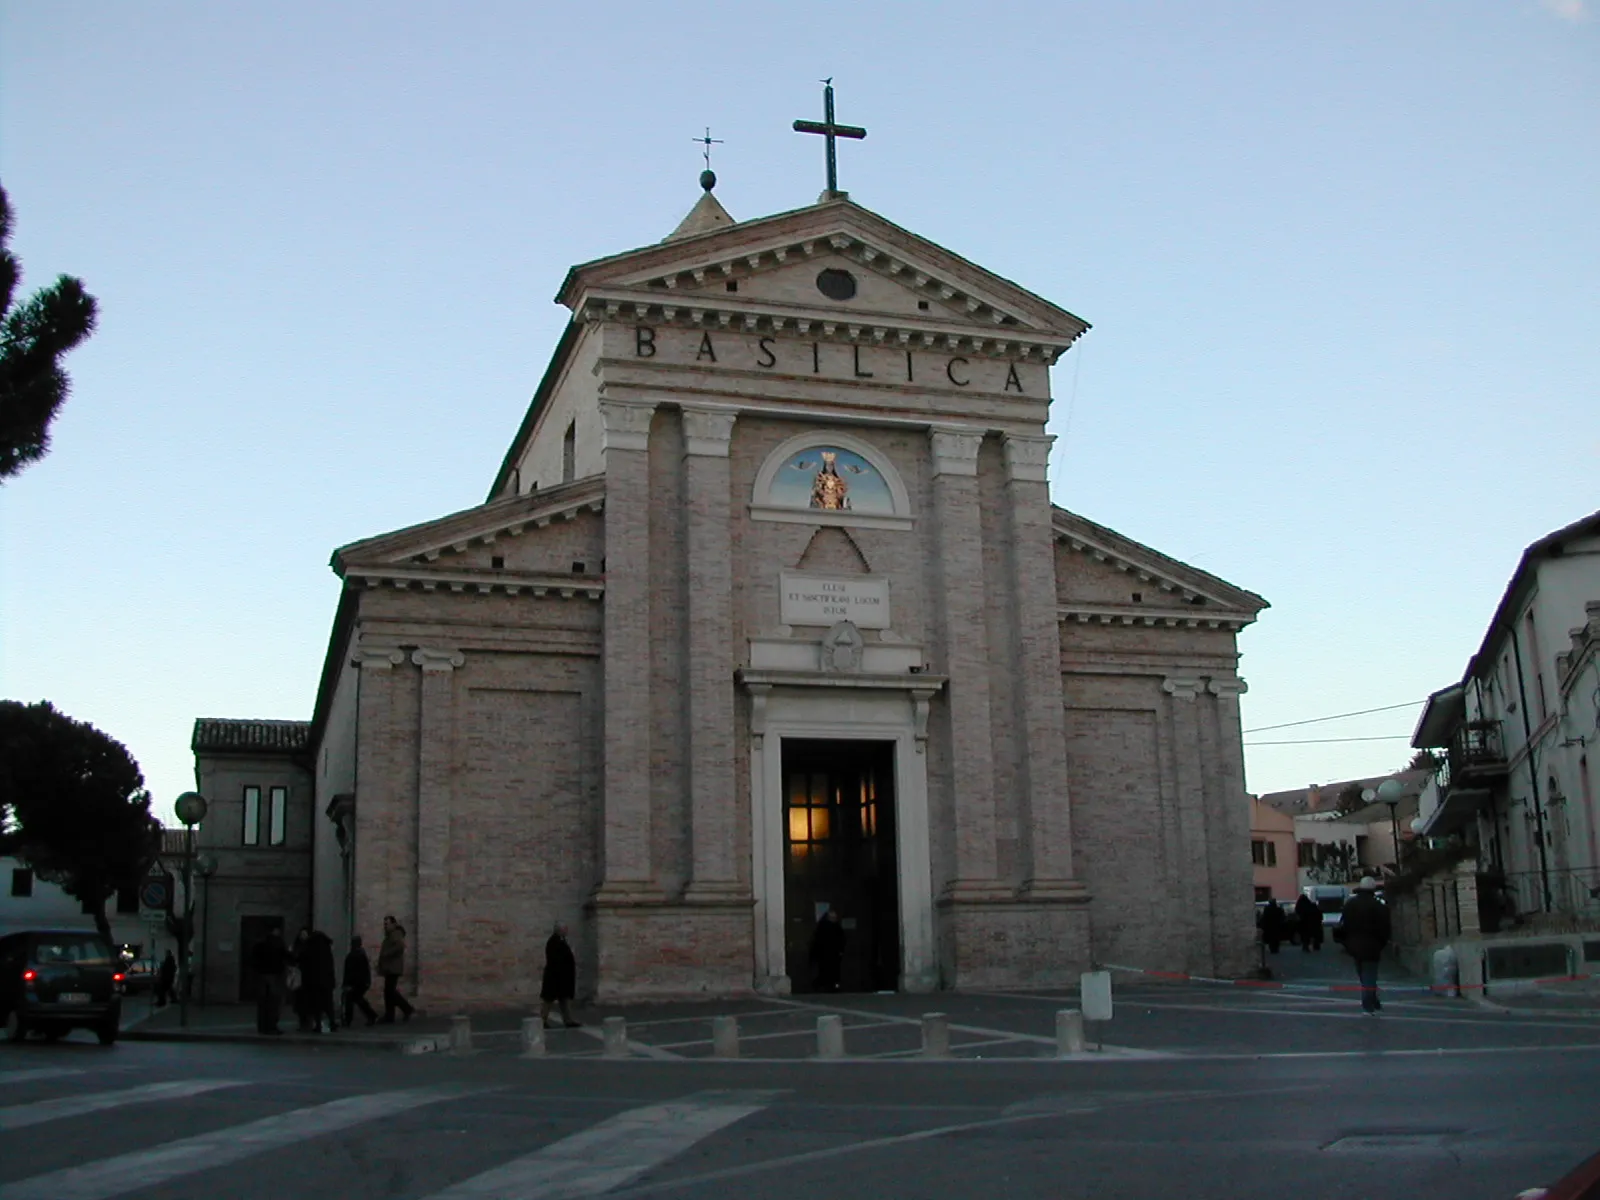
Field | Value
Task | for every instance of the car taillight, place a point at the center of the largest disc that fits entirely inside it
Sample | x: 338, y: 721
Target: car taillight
x: 118, y: 977
x: 29, y: 976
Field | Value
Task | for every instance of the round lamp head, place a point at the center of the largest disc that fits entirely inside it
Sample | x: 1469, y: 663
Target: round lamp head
x: 191, y: 808
x: 205, y: 865
x: 1418, y: 824
x: 1390, y: 791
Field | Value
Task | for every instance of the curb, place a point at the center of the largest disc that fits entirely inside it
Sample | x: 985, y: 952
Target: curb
x: 193, y: 1037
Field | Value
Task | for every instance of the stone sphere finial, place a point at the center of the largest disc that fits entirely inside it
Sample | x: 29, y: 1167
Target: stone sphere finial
x: 708, y: 179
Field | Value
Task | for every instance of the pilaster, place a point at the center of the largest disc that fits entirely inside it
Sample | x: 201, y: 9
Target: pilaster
x: 387, y: 853
x: 709, y: 714
x: 962, y: 601
x: 626, y: 653
x: 1047, y: 806
x: 430, y: 935
x: 1183, y: 723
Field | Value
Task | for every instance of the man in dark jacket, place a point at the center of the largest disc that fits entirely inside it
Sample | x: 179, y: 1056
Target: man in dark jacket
x: 317, y: 978
x: 392, y: 965
x: 1272, y: 925
x: 560, y: 983
x: 270, y: 958
x: 1309, y: 917
x: 1365, y: 929
x: 357, y: 980
x: 166, y: 975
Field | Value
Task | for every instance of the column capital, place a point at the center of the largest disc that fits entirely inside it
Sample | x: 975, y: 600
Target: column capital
x: 955, y: 449
x: 1182, y: 687
x: 708, y: 431
x: 1028, y: 455
x: 377, y: 658
x: 432, y: 659
x: 1227, y: 686
x: 627, y: 423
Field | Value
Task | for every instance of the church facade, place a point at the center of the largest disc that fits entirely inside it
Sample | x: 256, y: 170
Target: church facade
x: 768, y: 611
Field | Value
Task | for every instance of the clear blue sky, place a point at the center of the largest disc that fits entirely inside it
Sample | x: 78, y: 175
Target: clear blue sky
x: 1341, y: 263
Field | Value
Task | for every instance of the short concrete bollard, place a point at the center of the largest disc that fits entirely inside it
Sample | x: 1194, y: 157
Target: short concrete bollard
x: 616, y: 1037
x: 1069, y: 1032
x: 460, y: 1034
x: 935, y: 1035
x: 725, y: 1037
x: 830, y: 1036
x: 532, y: 1037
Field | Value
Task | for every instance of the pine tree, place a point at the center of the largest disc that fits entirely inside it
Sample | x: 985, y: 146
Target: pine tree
x: 73, y: 805
x: 33, y: 338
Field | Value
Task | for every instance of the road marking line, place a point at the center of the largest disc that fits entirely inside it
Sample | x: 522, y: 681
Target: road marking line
x: 634, y: 1047
x: 1486, y: 1022
x: 612, y: 1153
x: 41, y: 1073
x: 20, y: 1116
x: 186, y: 1156
x: 760, y: 1037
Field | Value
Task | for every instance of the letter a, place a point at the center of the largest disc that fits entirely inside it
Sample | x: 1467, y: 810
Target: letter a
x: 1013, y: 382
x: 705, y: 350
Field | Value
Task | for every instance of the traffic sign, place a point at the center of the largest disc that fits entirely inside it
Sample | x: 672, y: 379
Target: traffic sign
x: 156, y: 893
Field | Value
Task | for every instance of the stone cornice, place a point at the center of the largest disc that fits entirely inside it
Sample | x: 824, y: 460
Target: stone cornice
x: 405, y: 576
x: 1150, y: 617
x: 744, y: 315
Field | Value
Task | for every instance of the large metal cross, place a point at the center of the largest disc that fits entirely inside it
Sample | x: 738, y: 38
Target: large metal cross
x: 830, y: 130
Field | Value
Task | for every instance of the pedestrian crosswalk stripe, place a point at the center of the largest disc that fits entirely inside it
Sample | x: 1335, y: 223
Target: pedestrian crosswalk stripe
x: 41, y: 1073
x: 186, y: 1156
x: 20, y: 1116
x: 612, y: 1153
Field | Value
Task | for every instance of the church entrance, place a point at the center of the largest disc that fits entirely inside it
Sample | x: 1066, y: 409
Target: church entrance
x: 839, y: 853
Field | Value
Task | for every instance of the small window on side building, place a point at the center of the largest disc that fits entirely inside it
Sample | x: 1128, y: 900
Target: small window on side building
x: 279, y: 803
x: 252, y: 816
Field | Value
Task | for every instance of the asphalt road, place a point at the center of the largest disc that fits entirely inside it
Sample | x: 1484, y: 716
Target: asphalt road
x: 1238, y: 1095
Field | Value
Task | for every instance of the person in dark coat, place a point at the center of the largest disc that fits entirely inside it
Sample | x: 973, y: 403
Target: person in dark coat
x: 392, y: 965
x: 299, y: 994
x: 560, y: 983
x: 357, y: 981
x: 317, y: 982
x: 1272, y: 925
x: 827, y: 952
x: 1364, y: 925
x: 166, y: 975
x: 270, y: 958
x: 1309, y: 917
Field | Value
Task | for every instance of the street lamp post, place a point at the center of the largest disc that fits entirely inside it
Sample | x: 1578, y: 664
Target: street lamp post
x: 1389, y: 792
x: 191, y: 810
x: 205, y: 866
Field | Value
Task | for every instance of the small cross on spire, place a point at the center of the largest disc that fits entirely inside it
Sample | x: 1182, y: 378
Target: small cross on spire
x: 830, y: 130
x: 708, y: 177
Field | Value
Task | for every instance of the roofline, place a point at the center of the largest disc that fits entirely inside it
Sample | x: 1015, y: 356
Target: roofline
x: 332, y: 664
x: 552, y: 373
x: 1516, y: 587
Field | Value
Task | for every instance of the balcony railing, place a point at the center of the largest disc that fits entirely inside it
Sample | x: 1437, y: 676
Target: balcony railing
x: 1572, y: 892
x: 1476, y: 751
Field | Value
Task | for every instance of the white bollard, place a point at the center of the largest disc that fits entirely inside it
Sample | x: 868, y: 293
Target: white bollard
x: 1069, y: 1032
x: 1094, y: 992
x: 532, y: 1037
x: 616, y: 1038
x: 460, y: 1034
x: 935, y: 1035
x: 725, y: 1037
x: 830, y: 1036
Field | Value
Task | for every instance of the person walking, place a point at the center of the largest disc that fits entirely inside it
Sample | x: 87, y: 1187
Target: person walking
x: 317, y: 982
x: 392, y: 965
x: 270, y: 958
x: 827, y: 952
x: 295, y: 981
x: 166, y: 976
x: 1364, y: 925
x: 357, y: 982
x: 1309, y: 917
x: 1272, y: 925
x: 560, y: 983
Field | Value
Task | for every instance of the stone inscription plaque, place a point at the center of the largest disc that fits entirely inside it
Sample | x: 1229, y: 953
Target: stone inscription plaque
x: 827, y: 600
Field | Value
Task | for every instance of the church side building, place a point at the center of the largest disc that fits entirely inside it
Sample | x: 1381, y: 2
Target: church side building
x: 767, y: 612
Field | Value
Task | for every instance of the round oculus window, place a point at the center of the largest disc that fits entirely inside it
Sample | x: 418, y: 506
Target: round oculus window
x: 836, y: 284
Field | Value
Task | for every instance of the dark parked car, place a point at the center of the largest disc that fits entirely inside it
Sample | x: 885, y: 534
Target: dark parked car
x: 53, y: 981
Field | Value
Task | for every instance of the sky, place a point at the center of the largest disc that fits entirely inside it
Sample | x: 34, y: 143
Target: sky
x: 1341, y: 264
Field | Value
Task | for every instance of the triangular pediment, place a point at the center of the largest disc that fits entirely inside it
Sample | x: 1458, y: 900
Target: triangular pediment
x: 768, y: 270
x: 552, y: 538
x: 1105, y: 576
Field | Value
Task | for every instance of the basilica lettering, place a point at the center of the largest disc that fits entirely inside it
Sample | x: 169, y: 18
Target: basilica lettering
x: 832, y: 360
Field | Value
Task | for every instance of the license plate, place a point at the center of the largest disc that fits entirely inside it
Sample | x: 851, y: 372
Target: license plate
x: 74, y: 997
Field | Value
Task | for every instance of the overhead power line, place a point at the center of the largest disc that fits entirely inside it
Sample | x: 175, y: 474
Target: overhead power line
x: 1336, y: 717
x: 1393, y: 737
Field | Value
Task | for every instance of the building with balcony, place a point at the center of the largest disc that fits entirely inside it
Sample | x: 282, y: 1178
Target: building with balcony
x: 1516, y: 794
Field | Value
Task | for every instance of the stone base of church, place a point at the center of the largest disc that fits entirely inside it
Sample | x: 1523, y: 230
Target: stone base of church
x: 672, y: 951
x: 1013, y: 943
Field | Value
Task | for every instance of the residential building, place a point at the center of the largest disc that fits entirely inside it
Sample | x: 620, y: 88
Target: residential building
x: 1272, y: 852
